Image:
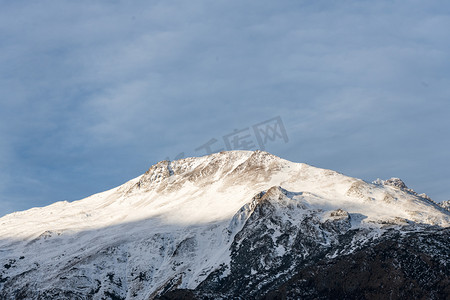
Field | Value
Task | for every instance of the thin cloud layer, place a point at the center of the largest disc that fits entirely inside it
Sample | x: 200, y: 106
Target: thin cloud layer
x: 92, y: 94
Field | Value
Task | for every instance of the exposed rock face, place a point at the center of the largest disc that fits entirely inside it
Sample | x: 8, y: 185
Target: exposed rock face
x: 398, y: 183
x: 233, y: 225
x: 445, y: 204
x: 395, y: 266
x: 276, y: 257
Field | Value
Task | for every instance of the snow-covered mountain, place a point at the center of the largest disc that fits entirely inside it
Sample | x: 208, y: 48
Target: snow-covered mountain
x: 228, y: 225
x: 445, y: 204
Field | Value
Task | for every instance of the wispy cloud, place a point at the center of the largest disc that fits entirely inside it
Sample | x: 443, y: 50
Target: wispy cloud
x: 94, y: 93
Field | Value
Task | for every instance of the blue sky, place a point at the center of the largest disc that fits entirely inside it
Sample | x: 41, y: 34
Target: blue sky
x: 92, y: 94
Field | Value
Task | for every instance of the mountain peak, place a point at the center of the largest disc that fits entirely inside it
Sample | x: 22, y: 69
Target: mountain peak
x: 398, y: 183
x: 188, y: 220
x: 394, y: 181
x: 445, y: 205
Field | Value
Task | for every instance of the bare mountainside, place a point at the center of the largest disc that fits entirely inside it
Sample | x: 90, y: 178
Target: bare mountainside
x: 232, y: 225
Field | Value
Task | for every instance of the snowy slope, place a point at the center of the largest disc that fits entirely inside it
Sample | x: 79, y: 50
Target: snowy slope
x: 175, y: 224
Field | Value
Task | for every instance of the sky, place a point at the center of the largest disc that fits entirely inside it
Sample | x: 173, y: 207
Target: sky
x: 93, y: 94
